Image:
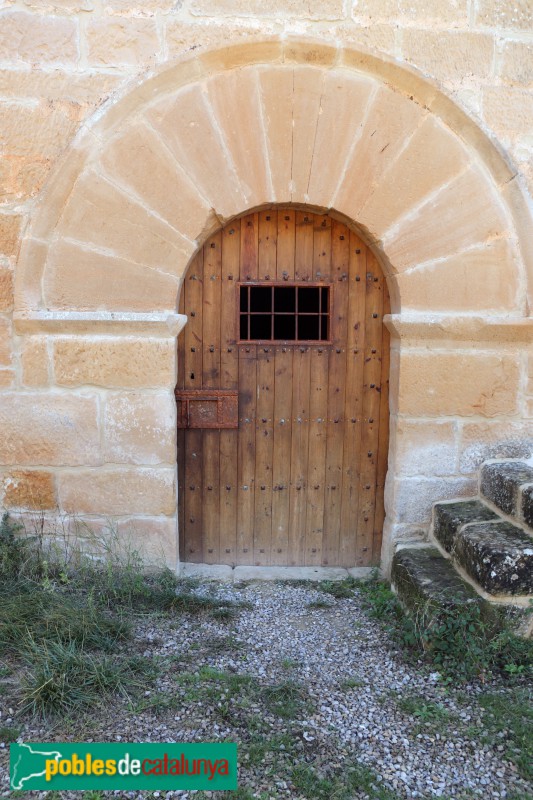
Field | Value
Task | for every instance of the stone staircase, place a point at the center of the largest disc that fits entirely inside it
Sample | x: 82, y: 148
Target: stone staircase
x: 479, y: 550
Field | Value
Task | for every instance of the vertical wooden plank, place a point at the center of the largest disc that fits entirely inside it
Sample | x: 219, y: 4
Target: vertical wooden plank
x: 318, y: 407
x: 333, y: 553
x: 211, y: 380
x: 193, y: 442
x: 246, y: 453
x: 383, y: 438
x: 316, y: 455
x: 267, y: 247
x: 229, y: 379
x: 303, y: 259
x: 286, y: 244
x: 371, y: 408
x: 299, y: 453
x: 281, y: 457
x: 264, y: 455
x: 268, y: 238
x: 303, y: 270
x: 249, y: 247
x: 353, y: 411
x: 249, y: 253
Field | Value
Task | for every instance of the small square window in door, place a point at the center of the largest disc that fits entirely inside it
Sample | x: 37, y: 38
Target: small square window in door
x: 284, y: 313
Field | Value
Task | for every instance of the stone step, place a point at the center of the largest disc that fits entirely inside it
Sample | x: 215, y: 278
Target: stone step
x: 449, y: 518
x: 498, y: 555
x: 505, y: 483
x: 493, y: 552
x: 423, y: 578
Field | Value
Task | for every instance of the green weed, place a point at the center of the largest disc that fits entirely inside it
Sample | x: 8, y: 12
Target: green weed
x: 508, y: 720
x: 62, y: 679
x: 339, y: 785
x: 9, y: 734
x: 286, y: 699
x: 338, y: 589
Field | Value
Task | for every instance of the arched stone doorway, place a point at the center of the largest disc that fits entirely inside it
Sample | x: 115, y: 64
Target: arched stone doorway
x: 160, y: 169
x: 283, y: 395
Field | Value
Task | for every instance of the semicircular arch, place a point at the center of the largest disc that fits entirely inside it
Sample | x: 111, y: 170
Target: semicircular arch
x: 278, y: 122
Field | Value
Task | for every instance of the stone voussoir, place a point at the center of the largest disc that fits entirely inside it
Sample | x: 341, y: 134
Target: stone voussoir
x: 499, y: 556
x: 501, y: 482
x: 450, y: 518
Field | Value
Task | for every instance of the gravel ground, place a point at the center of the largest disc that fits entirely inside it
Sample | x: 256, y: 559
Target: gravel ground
x: 352, y: 709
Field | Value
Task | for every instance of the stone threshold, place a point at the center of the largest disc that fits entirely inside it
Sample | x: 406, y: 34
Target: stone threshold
x: 228, y: 574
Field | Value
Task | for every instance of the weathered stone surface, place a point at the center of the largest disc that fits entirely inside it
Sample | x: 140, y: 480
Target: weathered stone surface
x: 58, y: 85
x: 29, y: 489
x: 186, y: 126
x: 51, y: 6
x: 527, y: 505
x: 425, y: 13
x: 6, y: 289
x: 277, y: 97
x: 139, y: 160
x: 449, y: 518
x: 242, y: 130
x: 437, y: 229
x: 508, y: 111
x: 389, y: 122
x: 480, y: 441
x: 21, y: 177
x: 502, y: 14
x: 100, y: 215
x: 87, y: 280
x: 127, y: 491
x: 119, y: 42
x: 482, y: 279
x: 424, y: 448
x: 182, y: 34
x: 7, y: 378
x: 414, y: 497
x: 432, y: 157
x: 154, y: 538
x: 329, y: 9
x: 140, y: 428
x: 498, y: 556
x: 426, y: 581
x: 439, y: 383
x: 342, y: 110
x: 49, y: 429
x: 36, y: 131
x: 139, y: 8
x: 35, y: 362
x: 306, y: 94
x: 6, y: 343
x: 449, y: 55
x: 517, y: 64
x: 114, y: 362
x: 9, y: 233
x: 501, y: 482
x: 35, y: 39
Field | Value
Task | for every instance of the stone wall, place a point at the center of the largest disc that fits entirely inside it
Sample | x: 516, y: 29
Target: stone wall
x: 108, y: 105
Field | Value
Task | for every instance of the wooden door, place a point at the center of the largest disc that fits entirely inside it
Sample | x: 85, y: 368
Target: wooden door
x: 285, y: 311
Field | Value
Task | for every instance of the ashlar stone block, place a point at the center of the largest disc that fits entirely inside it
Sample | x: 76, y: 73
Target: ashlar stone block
x: 118, y: 491
x: 49, y: 429
x: 114, y: 362
x: 140, y: 428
